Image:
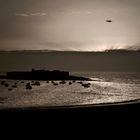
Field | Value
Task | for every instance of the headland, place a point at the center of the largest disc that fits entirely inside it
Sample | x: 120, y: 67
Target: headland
x: 41, y: 75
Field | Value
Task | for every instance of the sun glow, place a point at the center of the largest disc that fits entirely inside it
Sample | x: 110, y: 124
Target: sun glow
x: 103, y: 47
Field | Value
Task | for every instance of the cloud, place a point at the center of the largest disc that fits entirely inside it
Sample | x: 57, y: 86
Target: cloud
x: 68, y: 13
x: 85, y: 46
x: 78, y: 13
x: 31, y: 14
x: 22, y: 15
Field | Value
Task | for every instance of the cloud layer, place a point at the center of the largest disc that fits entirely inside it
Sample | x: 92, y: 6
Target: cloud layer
x: 31, y: 14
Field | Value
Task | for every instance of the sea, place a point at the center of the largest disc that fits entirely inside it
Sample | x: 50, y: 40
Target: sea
x: 105, y: 88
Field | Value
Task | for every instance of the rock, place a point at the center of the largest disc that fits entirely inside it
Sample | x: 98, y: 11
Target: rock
x: 55, y: 84
x: 70, y: 83
x: 63, y: 82
x: 86, y: 85
x: 2, y: 82
x: 28, y: 87
x: 6, y: 85
x: 14, y: 86
x: 37, y: 83
x: 10, y: 89
x: 80, y: 82
x: 2, y: 100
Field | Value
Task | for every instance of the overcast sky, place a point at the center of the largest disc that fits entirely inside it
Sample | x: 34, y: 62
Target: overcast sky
x: 69, y: 24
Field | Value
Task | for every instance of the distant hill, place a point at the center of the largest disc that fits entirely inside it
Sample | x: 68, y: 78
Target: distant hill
x: 122, y: 50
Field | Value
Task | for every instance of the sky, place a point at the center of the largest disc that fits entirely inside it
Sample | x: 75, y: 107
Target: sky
x: 69, y: 25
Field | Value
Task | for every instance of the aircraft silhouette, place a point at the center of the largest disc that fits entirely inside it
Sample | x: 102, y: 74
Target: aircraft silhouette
x: 108, y: 20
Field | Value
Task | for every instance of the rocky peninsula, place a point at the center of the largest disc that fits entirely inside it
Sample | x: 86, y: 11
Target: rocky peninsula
x: 42, y: 75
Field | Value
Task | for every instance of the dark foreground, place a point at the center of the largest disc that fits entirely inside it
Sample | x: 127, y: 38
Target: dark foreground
x: 96, y: 116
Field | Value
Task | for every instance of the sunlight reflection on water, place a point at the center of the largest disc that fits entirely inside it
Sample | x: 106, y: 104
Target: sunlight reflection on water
x: 100, y: 91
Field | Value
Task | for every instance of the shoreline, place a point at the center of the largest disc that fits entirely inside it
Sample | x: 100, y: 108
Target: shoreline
x: 94, y: 107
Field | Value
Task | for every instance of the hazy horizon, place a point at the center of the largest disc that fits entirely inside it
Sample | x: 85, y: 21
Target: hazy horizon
x: 130, y: 49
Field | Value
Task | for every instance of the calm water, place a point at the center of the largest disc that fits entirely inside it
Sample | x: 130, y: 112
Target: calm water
x: 106, y: 87
x: 70, y: 61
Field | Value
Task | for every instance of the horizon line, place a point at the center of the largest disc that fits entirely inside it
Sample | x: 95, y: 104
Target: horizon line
x: 41, y: 50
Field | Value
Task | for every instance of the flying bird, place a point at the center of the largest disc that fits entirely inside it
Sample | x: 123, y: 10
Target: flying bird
x: 108, y: 20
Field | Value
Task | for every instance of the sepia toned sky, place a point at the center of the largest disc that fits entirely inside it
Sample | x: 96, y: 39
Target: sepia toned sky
x: 75, y: 25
